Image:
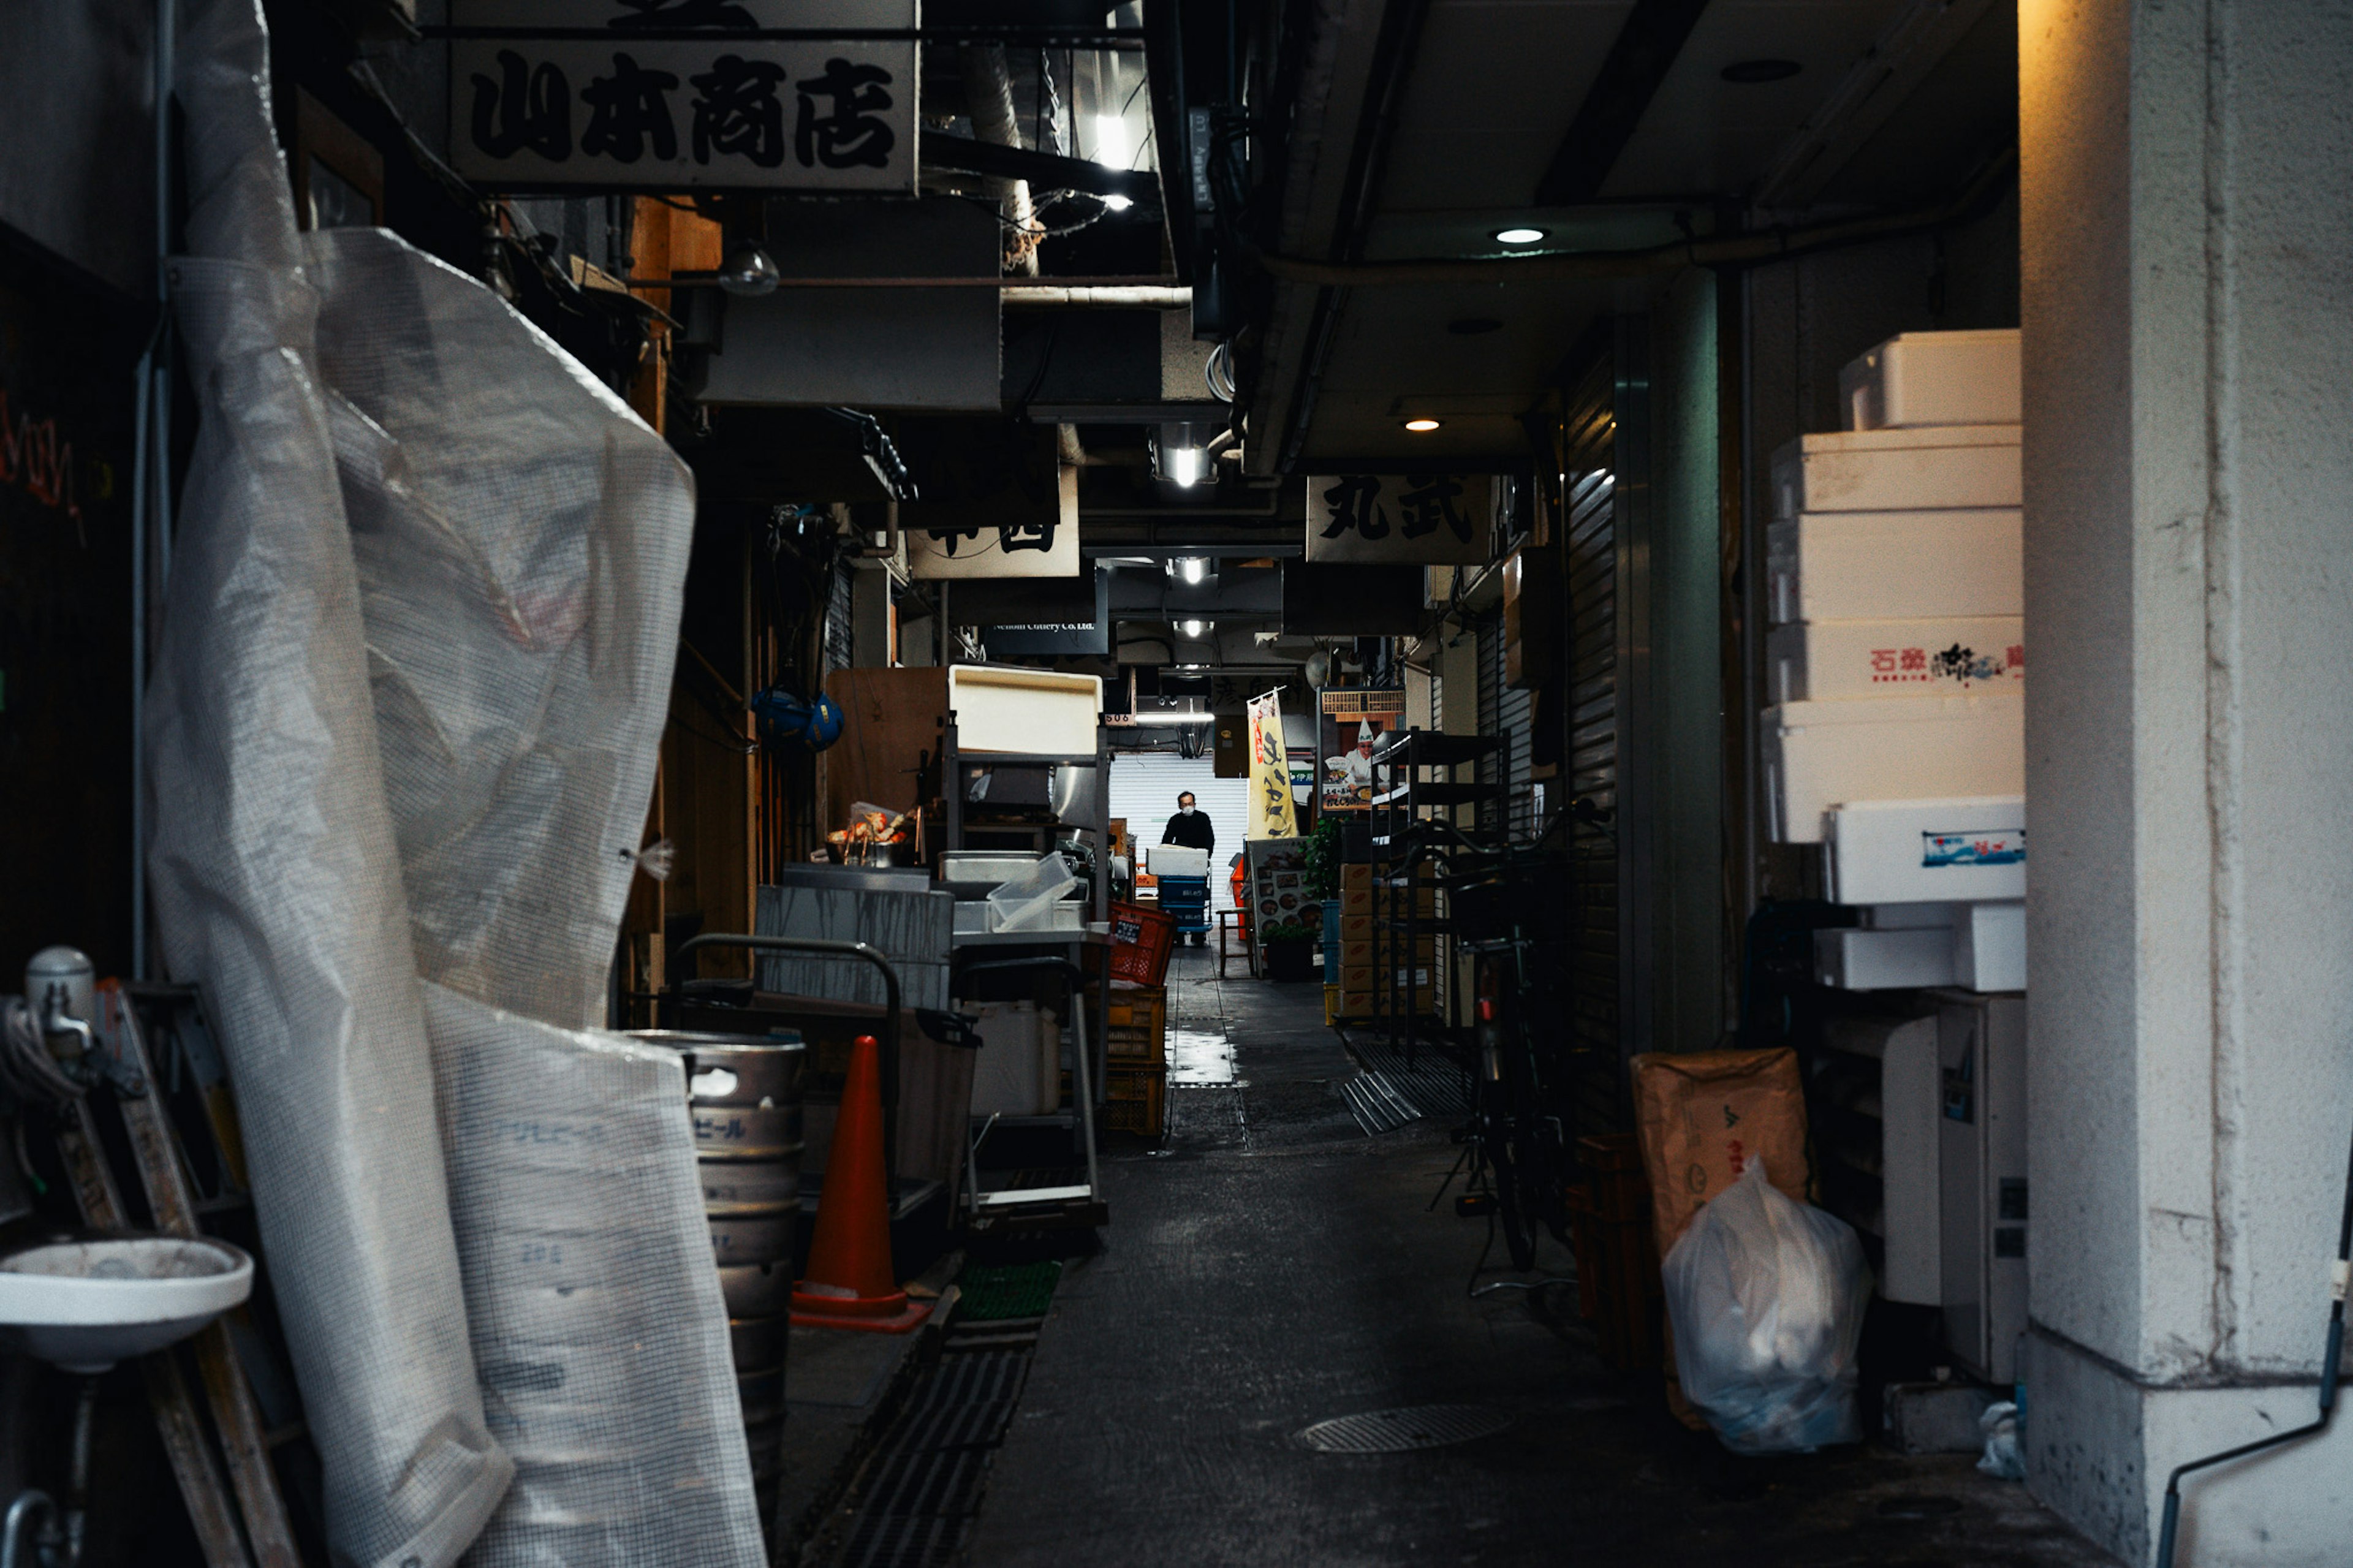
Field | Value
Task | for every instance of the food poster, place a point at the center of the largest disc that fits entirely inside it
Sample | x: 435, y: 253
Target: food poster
x: 1353, y: 723
x: 1278, y: 888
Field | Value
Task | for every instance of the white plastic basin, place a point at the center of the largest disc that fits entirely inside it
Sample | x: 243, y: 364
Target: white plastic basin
x: 85, y: 1305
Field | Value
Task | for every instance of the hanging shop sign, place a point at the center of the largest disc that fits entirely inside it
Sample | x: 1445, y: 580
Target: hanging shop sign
x: 1402, y: 519
x: 1008, y: 537
x: 666, y: 95
x: 1271, y: 814
x: 1353, y: 723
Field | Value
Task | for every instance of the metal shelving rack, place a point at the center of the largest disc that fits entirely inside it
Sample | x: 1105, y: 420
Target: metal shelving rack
x: 1403, y: 837
x: 1077, y: 1204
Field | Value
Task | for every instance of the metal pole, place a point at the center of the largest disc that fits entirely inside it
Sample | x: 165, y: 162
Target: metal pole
x: 152, y: 474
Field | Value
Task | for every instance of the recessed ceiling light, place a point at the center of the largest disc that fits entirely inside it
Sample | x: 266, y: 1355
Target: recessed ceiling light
x: 1521, y: 235
x: 1420, y: 427
x: 1749, y: 73
x: 1471, y: 326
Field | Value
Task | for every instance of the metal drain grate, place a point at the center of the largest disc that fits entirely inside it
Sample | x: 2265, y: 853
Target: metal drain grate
x: 1377, y: 1105
x: 1404, y: 1430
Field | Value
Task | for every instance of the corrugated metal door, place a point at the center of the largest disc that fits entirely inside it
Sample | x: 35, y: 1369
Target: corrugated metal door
x: 1503, y: 708
x: 1589, y: 468
x: 1143, y: 789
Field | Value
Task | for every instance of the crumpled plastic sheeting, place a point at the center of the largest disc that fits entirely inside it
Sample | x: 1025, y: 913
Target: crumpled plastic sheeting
x: 596, y: 1313
x: 522, y: 540
x: 275, y: 872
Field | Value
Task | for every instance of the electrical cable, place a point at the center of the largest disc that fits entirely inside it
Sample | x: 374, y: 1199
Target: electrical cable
x: 2332, y: 1351
x: 26, y: 1069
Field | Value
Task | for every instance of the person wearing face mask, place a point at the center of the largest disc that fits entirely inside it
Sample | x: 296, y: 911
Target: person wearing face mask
x: 1190, y: 828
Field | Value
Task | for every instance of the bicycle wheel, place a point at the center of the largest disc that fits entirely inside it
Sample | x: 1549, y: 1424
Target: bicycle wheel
x: 1502, y: 1146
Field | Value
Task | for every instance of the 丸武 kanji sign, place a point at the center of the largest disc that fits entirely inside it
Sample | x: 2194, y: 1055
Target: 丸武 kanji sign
x: 665, y: 95
x: 1410, y: 518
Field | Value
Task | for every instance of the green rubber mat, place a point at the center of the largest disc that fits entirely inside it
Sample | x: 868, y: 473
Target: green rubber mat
x: 1008, y: 1290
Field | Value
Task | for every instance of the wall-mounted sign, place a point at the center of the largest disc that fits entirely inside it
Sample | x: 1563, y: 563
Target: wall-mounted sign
x: 664, y: 95
x: 1353, y: 723
x: 1401, y: 519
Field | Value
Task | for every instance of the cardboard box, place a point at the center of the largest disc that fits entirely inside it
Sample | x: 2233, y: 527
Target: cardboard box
x: 1356, y: 874
x: 1356, y: 1003
x: 1816, y: 661
x: 1356, y: 901
x: 1355, y: 928
x: 1893, y: 565
x: 1356, y: 977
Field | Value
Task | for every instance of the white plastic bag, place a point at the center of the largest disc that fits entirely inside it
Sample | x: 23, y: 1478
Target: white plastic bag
x: 1767, y: 1296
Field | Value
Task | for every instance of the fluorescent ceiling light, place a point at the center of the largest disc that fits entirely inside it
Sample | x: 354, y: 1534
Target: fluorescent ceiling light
x: 1192, y: 568
x: 1521, y: 235
x: 1183, y: 465
x: 1421, y: 427
x: 1112, y: 149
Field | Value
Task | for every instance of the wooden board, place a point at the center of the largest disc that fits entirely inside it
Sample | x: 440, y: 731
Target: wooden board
x: 893, y: 724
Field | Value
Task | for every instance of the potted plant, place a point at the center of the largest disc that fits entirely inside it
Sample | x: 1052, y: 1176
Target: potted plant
x: 1290, y: 951
x: 1323, y: 848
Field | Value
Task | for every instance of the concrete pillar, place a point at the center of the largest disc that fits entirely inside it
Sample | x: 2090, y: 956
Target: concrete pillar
x: 2187, y: 312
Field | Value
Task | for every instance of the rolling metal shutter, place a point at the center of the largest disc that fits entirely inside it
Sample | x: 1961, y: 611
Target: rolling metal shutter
x: 1143, y: 789
x: 1588, y: 461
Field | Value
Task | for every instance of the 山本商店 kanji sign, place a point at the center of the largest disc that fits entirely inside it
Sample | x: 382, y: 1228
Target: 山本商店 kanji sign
x: 662, y: 95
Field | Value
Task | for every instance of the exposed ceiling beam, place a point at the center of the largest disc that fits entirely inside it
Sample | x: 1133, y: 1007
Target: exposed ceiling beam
x: 1921, y: 34
x: 1637, y: 63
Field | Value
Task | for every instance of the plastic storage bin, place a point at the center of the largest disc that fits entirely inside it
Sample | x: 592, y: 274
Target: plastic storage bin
x: 1027, y: 902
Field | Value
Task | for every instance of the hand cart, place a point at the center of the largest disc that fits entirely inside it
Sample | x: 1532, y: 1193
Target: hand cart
x: 1074, y: 1205
x: 1187, y: 899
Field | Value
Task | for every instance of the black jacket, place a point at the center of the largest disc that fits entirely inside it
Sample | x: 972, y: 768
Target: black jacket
x: 1193, y: 832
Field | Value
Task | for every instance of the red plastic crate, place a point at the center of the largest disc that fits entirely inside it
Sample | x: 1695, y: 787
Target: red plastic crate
x: 1141, y: 939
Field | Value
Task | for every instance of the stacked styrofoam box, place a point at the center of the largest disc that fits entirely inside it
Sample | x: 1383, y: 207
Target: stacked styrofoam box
x: 1895, y: 661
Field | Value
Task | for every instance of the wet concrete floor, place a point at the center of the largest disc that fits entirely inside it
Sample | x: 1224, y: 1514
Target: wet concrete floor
x: 1272, y: 1267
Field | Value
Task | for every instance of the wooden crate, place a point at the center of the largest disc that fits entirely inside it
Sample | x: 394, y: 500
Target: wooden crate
x: 1135, y: 1101
x: 1139, y: 1024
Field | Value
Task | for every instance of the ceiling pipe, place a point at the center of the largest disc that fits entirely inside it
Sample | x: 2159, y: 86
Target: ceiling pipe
x: 1122, y: 297
x: 1739, y: 251
x: 988, y: 94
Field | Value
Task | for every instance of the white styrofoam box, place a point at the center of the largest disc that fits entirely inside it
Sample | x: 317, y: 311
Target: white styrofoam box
x: 1176, y: 861
x: 1990, y: 947
x: 1849, y: 958
x: 1814, y: 661
x: 1932, y: 378
x: 1907, y: 917
x: 1822, y: 755
x: 1044, y: 712
x: 1893, y: 565
x: 1913, y: 852
x: 1946, y: 467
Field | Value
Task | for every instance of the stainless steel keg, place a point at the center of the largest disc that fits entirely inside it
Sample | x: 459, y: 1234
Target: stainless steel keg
x: 743, y: 1092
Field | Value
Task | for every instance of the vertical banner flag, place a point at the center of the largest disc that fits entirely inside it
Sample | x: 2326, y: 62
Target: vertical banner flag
x: 1271, y: 815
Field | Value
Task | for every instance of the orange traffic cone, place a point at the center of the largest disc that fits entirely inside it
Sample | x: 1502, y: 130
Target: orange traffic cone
x: 849, y: 1283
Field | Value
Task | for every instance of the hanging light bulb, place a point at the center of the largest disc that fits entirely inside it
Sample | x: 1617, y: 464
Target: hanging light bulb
x: 1192, y: 628
x: 1191, y: 569
x: 749, y: 270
